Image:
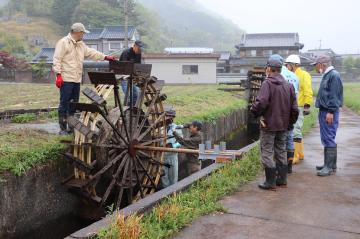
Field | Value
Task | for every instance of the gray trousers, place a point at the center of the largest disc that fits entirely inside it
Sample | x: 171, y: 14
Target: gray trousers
x: 273, y: 148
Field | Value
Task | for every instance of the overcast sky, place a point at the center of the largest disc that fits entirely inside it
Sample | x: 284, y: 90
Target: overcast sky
x: 335, y: 22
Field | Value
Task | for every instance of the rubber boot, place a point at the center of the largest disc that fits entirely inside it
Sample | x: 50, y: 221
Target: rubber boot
x: 270, y: 182
x: 70, y: 129
x: 297, y: 146
x: 329, y: 161
x: 63, y: 126
x: 301, y: 151
x: 334, y: 165
x: 282, y: 171
x: 290, y: 157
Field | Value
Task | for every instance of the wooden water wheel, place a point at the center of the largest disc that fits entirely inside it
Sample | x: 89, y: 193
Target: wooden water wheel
x: 108, y: 168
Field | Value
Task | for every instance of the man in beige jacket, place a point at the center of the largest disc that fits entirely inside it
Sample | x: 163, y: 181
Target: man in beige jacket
x: 69, y: 55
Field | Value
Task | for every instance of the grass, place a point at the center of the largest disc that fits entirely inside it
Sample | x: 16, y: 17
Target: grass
x: 181, y: 209
x: 23, y: 149
x: 200, y: 102
x: 46, y: 28
x: 352, y: 96
x: 310, y: 120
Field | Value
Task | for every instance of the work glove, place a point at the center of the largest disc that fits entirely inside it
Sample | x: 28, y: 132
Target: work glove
x: 306, y: 109
x: 59, y: 81
x: 110, y: 58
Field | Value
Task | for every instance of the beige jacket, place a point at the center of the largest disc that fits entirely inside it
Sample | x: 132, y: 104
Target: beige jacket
x: 69, y: 56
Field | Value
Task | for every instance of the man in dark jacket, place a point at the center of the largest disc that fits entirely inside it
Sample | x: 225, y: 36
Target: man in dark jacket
x: 276, y: 104
x: 329, y: 100
x: 132, y: 54
x: 192, y: 142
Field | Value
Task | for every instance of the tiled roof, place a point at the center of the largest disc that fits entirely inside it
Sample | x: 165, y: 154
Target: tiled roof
x: 250, y: 61
x: 270, y: 40
x: 109, y: 32
x: 45, y: 53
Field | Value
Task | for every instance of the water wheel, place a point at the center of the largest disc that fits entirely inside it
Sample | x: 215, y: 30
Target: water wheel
x: 108, y: 168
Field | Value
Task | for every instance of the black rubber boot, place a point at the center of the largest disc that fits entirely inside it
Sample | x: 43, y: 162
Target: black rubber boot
x: 290, y: 157
x: 63, y: 126
x: 282, y: 171
x: 335, y: 162
x: 70, y: 130
x: 269, y: 184
x: 330, y: 157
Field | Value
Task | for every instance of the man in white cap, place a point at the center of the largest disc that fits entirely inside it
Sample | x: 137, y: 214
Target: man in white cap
x: 305, y: 99
x: 69, y: 55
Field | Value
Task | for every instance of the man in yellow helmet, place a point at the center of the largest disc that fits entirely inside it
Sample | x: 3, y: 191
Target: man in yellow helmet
x: 305, y: 99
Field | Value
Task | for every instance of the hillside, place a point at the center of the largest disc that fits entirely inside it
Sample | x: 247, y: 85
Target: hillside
x: 188, y: 24
x: 161, y: 23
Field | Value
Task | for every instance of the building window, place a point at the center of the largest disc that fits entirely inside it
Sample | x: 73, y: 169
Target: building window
x: 267, y: 52
x: 284, y: 52
x: 93, y: 46
x: 253, y: 52
x: 190, y: 69
x: 114, y: 46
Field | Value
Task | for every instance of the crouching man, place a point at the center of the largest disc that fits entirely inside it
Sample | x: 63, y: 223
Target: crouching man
x: 69, y: 55
x: 171, y: 168
x: 276, y: 104
x: 191, y: 142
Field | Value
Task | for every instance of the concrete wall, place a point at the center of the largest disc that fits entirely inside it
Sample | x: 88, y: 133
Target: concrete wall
x: 170, y: 70
x: 34, y: 199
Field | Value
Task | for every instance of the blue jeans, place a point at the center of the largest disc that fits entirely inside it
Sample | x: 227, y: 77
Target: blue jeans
x: 290, y: 141
x: 328, y: 132
x: 69, y: 92
x: 136, y: 92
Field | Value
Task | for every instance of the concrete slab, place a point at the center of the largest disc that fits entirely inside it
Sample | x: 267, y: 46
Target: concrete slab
x: 311, y: 206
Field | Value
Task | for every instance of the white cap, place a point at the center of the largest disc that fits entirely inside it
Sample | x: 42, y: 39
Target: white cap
x: 295, y: 59
x: 79, y: 27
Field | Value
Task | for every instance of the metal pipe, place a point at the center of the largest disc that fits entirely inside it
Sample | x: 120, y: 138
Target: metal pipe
x: 186, y: 151
x: 96, y: 64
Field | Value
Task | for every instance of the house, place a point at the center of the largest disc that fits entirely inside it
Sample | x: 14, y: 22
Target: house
x: 255, y: 49
x: 45, y: 54
x: 111, y: 39
x: 223, y: 65
x: 336, y: 58
x: 183, y: 68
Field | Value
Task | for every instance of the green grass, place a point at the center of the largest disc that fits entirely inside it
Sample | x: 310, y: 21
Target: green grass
x: 31, y: 117
x: 202, y: 198
x: 200, y: 102
x: 352, y: 96
x: 23, y: 149
x: 310, y: 120
x: 24, y: 118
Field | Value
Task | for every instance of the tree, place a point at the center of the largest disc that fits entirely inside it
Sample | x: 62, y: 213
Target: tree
x: 96, y: 13
x: 62, y: 11
x: 38, y: 7
x: 349, y: 64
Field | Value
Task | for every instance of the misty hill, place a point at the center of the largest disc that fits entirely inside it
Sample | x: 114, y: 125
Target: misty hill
x: 161, y: 23
x: 189, y: 24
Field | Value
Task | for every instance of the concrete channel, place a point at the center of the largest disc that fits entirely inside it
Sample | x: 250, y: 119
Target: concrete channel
x: 37, y: 200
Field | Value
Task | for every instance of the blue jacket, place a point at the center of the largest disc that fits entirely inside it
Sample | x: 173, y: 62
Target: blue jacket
x: 330, y: 95
x: 291, y: 78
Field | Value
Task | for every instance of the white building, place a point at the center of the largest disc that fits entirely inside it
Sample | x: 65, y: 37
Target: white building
x: 183, y: 68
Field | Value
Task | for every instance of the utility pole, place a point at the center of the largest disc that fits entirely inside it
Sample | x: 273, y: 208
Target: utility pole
x: 126, y: 24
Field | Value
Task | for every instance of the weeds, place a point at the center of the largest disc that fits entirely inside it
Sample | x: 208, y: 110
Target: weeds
x: 202, y: 198
x: 352, y: 96
x: 24, y: 118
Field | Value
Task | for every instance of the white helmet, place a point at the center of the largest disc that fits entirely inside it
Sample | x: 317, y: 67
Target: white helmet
x: 294, y: 59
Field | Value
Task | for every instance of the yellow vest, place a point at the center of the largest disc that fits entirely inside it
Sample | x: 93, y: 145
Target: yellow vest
x: 305, y: 87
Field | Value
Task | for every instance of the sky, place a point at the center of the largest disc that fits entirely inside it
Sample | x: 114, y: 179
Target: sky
x: 336, y: 23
